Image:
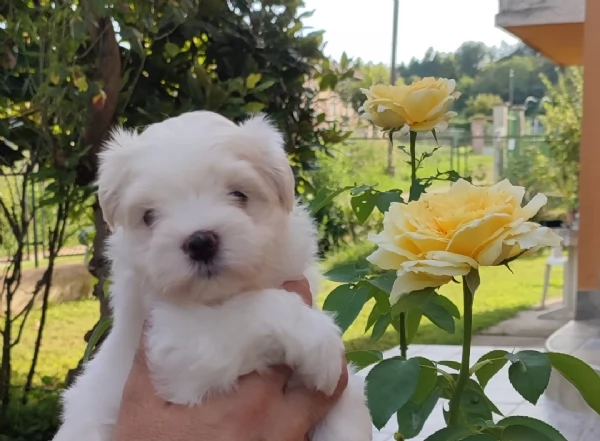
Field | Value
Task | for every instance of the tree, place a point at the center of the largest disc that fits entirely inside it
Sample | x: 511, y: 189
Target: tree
x: 137, y: 62
x: 494, y: 78
x: 42, y: 107
x: 470, y: 57
x: 482, y: 104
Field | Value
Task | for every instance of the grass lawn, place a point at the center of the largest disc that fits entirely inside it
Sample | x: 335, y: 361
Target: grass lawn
x: 502, y: 295
x: 361, y: 161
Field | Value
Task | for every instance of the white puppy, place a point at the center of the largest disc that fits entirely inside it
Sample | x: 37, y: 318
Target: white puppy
x: 205, y: 228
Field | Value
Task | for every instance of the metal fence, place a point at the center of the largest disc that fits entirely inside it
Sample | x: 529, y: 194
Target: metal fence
x: 486, y: 159
x: 41, y: 219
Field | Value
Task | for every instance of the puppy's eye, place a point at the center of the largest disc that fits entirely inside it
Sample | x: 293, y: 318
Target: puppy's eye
x: 149, y: 217
x: 241, y: 197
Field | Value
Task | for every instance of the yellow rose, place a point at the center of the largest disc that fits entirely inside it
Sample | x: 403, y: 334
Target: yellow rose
x: 420, y: 107
x: 445, y: 235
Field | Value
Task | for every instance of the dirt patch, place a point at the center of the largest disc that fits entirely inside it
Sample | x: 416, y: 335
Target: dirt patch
x: 70, y: 282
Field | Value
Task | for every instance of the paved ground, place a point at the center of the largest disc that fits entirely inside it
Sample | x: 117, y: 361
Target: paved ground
x: 574, y: 426
x: 529, y: 328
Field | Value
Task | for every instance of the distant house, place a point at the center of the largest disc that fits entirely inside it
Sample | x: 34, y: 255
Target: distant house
x: 335, y: 109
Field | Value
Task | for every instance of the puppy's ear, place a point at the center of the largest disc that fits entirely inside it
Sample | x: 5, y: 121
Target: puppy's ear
x: 268, y: 156
x: 114, y: 170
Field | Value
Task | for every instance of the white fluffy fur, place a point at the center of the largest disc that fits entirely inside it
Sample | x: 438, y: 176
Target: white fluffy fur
x: 208, y: 325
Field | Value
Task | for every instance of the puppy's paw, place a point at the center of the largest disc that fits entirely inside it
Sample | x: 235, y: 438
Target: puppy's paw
x: 321, y: 366
x: 349, y: 419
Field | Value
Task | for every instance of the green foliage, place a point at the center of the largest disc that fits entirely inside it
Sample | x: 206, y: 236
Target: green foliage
x: 410, y: 388
x: 482, y: 104
x: 390, y: 385
x: 478, y: 70
x: 72, y: 70
x: 562, y: 119
x: 579, y: 374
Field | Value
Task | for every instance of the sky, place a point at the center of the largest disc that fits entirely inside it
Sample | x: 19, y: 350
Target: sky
x: 363, y: 28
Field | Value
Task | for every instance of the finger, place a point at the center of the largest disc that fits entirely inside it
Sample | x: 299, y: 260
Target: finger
x: 271, y: 381
x: 300, y: 287
x: 312, y: 405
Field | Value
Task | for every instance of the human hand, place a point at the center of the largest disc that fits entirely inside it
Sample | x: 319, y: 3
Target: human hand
x: 259, y: 410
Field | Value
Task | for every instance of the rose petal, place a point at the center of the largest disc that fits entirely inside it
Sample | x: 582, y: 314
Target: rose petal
x: 466, y: 240
x: 452, y: 257
x: 386, y: 260
x: 407, y: 282
x: 505, y: 186
x: 534, y: 205
x: 437, y: 268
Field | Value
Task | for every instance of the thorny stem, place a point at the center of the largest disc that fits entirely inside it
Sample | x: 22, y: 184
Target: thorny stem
x: 402, y: 321
x: 463, y: 375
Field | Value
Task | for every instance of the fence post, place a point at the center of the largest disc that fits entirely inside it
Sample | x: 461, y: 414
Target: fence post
x: 500, y: 117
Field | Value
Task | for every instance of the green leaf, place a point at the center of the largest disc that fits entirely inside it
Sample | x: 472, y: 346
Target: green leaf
x: 253, y: 107
x: 323, y: 197
x: 385, y: 282
x: 346, y: 301
x: 413, y: 321
x: 373, y: 317
x: 550, y: 432
x: 450, y: 434
x: 101, y: 328
x: 252, y: 80
x: 530, y: 374
x: 451, y: 364
x: 171, y: 50
x: 427, y: 380
x: 438, y: 315
x: 412, y: 416
x: 265, y: 84
x: 523, y: 433
x: 413, y: 300
x: 585, y: 379
x: 382, y: 299
x: 362, y: 359
x: 418, y: 188
x: 447, y: 304
x: 495, y: 361
x: 474, y: 404
x: 81, y: 83
x: 384, y: 199
x: 347, y: 273
x: 390, y: 385
x: 380, y: 327
x: 78, y: 29
x: 479, y: 437
x: 363, y: 205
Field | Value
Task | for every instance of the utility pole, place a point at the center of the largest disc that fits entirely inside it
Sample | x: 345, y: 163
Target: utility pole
x: 391, y: 169
x: 511, y: 87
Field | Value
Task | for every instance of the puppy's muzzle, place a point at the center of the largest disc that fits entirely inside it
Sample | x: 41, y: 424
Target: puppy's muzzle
x: 201, y: 246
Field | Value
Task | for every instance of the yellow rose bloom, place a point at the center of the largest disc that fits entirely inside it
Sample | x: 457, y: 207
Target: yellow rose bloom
x: 445, y: 235
x: 420, y: 107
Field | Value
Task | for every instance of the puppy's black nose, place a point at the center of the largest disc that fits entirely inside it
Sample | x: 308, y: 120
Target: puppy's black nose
x: 202, y: 246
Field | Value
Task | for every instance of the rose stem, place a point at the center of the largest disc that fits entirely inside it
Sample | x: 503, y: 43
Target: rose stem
x: 413, y: 179
x: 413, y: 160
x: 463, y: 375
